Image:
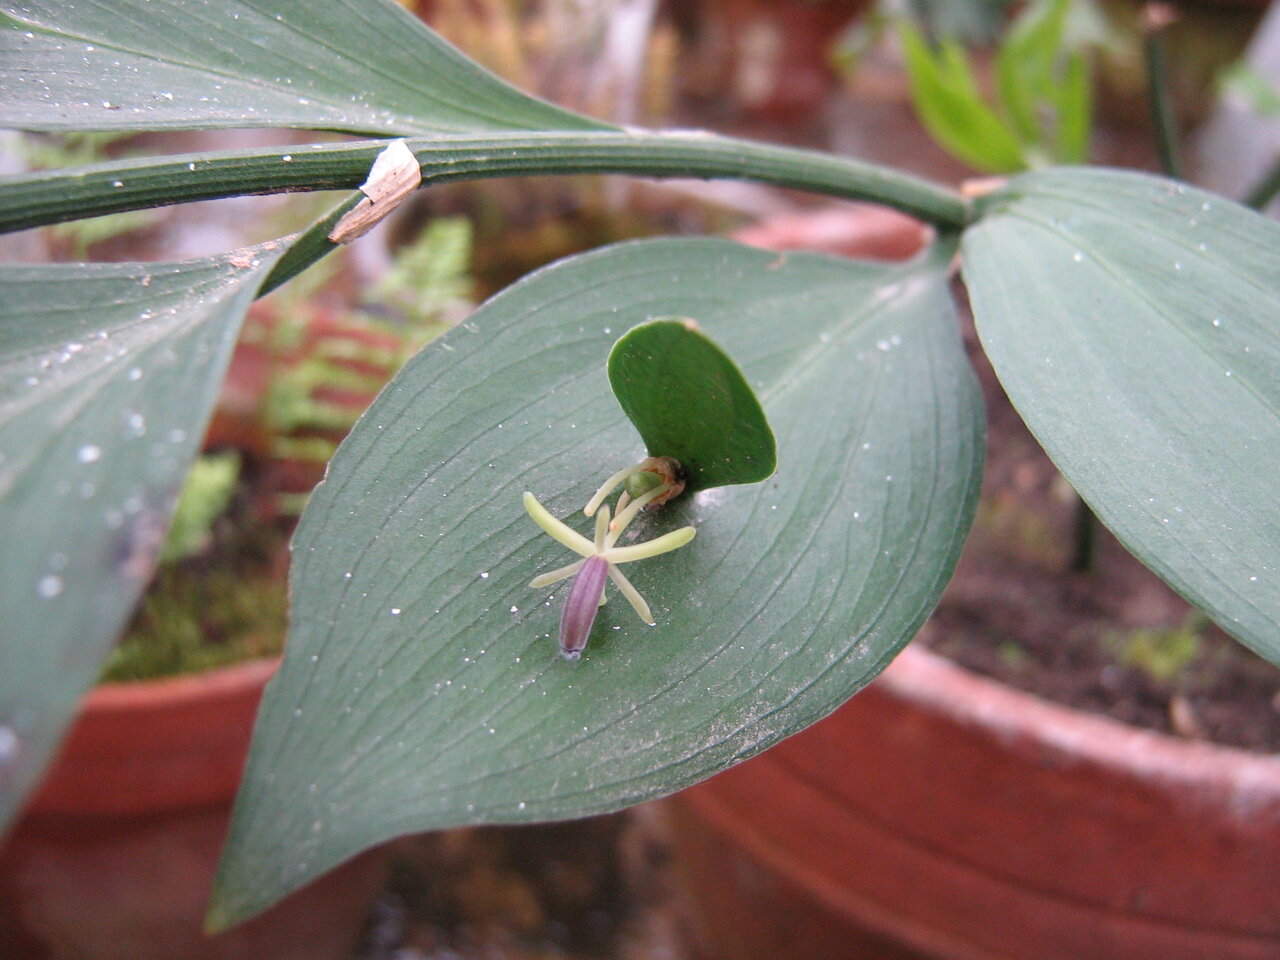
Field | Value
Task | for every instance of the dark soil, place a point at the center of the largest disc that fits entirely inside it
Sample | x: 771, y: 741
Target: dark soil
x: 1112, y: 639
x: 595, y: 888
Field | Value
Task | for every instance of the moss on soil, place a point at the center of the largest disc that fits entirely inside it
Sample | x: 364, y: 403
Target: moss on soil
x: 225, y: 604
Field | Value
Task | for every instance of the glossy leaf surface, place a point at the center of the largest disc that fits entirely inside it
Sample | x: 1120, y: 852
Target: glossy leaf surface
x: 422, y: 686
x: 689, y: 400
x: 362, y: 66
x: 108, y: 374
x: 1135, y: 324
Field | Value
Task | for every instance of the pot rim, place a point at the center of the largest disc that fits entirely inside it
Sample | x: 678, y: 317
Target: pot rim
x: 135, y: 696
x: 1027, y: 723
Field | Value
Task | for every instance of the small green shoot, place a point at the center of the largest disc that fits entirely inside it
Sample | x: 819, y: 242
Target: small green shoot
x: 1162, y: 654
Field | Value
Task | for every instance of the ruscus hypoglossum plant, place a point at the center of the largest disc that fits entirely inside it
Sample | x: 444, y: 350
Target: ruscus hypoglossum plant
x: 1133, y: 320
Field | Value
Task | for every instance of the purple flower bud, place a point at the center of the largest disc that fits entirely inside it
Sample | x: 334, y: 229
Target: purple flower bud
x: 580, y: 609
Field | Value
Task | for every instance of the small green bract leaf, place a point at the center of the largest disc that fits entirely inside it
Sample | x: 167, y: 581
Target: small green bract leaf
x: 691, y: 402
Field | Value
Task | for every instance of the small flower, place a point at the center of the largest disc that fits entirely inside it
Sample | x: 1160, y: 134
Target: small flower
x: 601, y: 559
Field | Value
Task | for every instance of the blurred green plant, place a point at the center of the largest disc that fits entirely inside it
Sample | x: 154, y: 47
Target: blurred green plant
x: 205, y: 495
x: 1245, y: 82
x: 327, y: 364
x: 200, y: 616
x: 1040, y: 111
x: 1162, y: 654
x: 217, y: 596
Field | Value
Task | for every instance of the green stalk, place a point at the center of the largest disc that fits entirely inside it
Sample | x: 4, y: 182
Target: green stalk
x: 1084, y: 547
x: 1265, y: 190
x: 1156, y: 19
x: 33, y: 200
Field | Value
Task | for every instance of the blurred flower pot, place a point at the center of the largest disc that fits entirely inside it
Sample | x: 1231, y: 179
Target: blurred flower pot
x: 852, y: 230
x: 115, y: 854
x: 764, y: 59
x: 941, y: 814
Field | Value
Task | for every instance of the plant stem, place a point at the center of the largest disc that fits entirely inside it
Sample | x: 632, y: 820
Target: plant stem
x: 1084, y: 557
x: 57, y: 196
x: 1265, y: 190
x: 1157, y: 17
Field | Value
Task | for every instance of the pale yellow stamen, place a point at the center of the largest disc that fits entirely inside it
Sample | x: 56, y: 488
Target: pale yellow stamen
x: 555, y: 576
x: 632, y: 595
x: 609, y: 486
x: 604, y: 545
x: 650, y: 548
x: 556, y: 529
x: 619, y: 525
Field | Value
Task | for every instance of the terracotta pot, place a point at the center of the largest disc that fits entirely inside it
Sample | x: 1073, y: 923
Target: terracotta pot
x: 764, y: 58
x: 115, y: 854
x: 942, y: 814
x: 140, y: 748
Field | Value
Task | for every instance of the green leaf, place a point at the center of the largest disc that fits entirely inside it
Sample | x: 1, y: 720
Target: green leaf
x: 1135, y: 323
x: 1074, y: 109
x: 1042, y: 74
x: 946, y: 97
x: 108, y: 374
x: 1026, y: 64
x: 361, y: 66
x: 690, y: 401
x: 422, y: 687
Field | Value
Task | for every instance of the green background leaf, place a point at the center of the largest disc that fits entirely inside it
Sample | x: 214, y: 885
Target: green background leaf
x: 108, y: 374
x: 1026, y: 64
x: 361, y: 66
x: 1135, y: 323
x: 690, y: 401
x: 1044, y: 85
x: 422, y: 687
x: 946, y: 97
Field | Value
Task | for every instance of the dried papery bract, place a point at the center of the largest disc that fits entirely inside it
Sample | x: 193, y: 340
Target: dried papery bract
x: 601, y: 558
x: 395, y: 175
